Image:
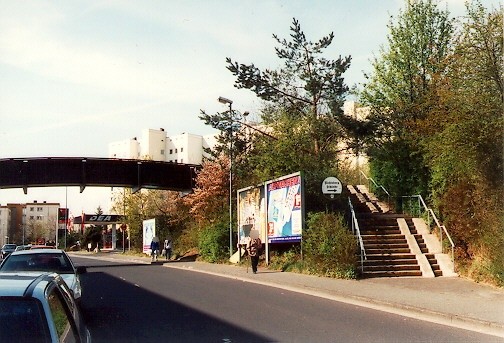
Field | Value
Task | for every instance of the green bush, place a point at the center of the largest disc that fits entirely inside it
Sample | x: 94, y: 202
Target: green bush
x: 213, y: 242
x: 329, y: 248
x: 287, y: 260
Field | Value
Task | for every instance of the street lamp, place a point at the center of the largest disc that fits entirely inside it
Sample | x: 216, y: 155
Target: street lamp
x: 223, y: 100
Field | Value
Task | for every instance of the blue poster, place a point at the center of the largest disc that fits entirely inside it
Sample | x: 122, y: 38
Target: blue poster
x: 285, y: 218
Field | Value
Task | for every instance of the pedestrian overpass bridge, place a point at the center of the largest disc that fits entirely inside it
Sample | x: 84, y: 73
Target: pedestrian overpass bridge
x: 95, y: 172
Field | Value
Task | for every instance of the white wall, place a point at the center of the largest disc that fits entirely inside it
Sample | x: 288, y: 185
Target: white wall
x: 127, y: 149
x: 4, y: 223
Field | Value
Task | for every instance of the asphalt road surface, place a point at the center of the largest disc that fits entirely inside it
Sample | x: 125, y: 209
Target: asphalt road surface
x: 150, y: 303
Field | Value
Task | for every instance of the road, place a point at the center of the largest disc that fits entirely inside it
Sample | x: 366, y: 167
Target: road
x: 129, y: 302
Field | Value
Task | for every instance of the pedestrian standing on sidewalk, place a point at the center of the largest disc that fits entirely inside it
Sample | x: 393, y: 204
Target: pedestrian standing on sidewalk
x: 254, y: 250
x: 168, y: 248
x: 154, y: 248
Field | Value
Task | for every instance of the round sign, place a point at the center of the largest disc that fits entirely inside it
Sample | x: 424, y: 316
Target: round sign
x: 331, y: 185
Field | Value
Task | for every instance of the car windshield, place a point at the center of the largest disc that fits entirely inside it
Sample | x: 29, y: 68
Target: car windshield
x: 22, y: 320
x: 9, y: 246
x: 37, y: 262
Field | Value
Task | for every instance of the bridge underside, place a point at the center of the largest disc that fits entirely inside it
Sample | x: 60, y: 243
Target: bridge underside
x: 84, y: 171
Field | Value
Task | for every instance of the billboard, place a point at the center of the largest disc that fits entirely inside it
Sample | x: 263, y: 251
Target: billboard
x: 251, y: 214
x: 285, y: 212
x: 149, y: 232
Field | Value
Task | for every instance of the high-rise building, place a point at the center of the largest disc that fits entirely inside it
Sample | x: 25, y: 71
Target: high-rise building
x: 156, y: 145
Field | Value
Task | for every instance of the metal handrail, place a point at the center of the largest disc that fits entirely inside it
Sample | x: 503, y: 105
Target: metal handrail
x: 441, y: 228
x: 376, y: 185
x: 355, y: 228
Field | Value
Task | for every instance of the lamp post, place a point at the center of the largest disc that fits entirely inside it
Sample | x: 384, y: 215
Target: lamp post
x: 223, y: 100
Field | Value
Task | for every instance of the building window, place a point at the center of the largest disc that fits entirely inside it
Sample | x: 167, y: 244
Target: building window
x: 175, y: 150
x: 181, y: 160
x: 32, y: 209
x: 171, y: 151
x: 39, y: 209
x: 31, y: 218
x: 162, y: 151
x: 181, y: 149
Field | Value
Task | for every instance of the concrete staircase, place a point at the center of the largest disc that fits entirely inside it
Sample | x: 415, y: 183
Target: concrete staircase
x: 396, y: 245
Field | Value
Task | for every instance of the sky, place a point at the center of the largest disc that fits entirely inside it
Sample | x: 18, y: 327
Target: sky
x: 78, y: 75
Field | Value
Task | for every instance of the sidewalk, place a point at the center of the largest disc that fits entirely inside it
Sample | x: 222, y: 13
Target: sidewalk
x: 450, y: 301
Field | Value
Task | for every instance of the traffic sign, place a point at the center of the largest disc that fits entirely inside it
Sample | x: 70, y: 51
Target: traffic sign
x: 331, y: 185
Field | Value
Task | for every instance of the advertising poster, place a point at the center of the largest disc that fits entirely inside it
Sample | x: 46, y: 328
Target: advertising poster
x: 285, y: 214
x: 149, y: 231
x: 251, y: 214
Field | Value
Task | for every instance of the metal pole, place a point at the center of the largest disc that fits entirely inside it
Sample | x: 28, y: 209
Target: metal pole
x: 66, y: 217
x: 231, y: 181
x: 124, y: 219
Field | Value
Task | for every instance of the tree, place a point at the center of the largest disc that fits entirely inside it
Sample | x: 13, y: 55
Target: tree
x: 208, y: 202
x: 399, y: 93
x: 440, y: 132
x: 309, y: 87
x: 465, y: 147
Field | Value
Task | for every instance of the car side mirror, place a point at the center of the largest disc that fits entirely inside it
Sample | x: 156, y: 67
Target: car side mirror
x: 81, y: 270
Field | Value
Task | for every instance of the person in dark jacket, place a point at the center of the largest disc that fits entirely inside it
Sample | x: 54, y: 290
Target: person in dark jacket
x: 254, y: 250
x: 154, y: 248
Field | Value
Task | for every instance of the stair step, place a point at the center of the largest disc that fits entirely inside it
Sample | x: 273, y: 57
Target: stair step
x: 391, y: 268
x: 378, y: 226
x: 380, y: 240
x: 396, y: 273
x: 390, y: 262
x: 391, y: 236
x: 385, y: 246
x: 387, y: 251
x: 380, y: 232
x: 390, y: 256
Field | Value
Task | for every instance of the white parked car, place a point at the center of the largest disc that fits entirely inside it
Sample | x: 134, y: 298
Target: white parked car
x: 39, y: 307
x: 46, y: 260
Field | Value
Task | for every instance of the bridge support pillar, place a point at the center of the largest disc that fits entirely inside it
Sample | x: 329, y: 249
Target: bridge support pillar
x: 114, y: 236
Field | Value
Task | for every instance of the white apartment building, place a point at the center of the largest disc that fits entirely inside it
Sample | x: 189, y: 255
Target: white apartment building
x: 44, y: 216
x: 156, y: 145
x: 45, y: 212
x: 4, y: 223
x: 18, y: 220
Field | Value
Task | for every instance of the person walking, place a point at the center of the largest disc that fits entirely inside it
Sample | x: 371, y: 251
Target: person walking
x: 154, y: 248
x: 168, y: 248
x: 254, y: 250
